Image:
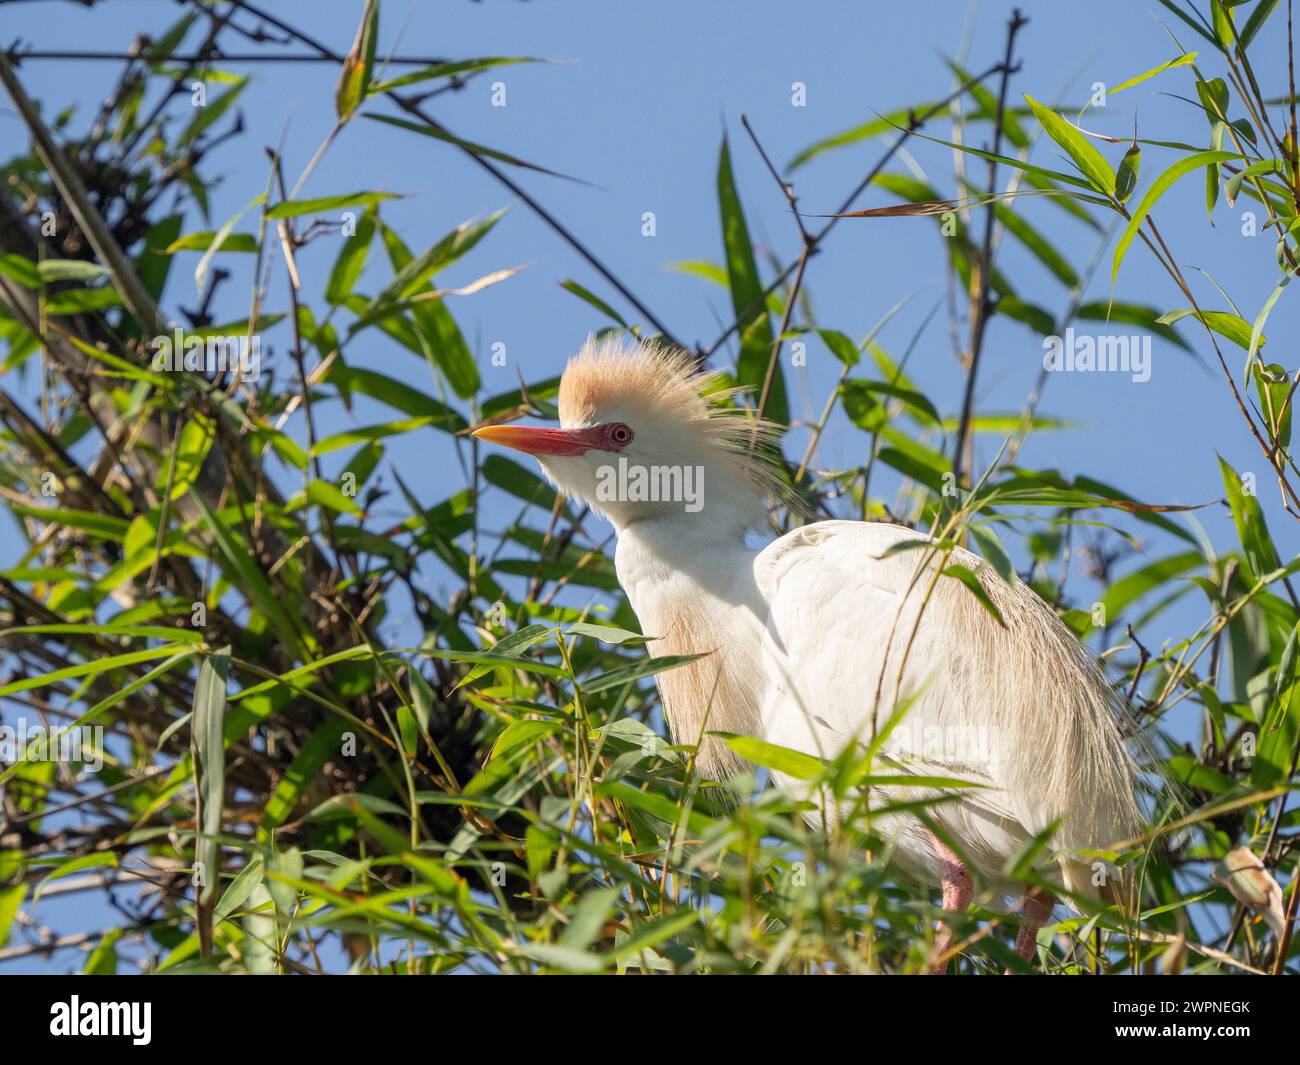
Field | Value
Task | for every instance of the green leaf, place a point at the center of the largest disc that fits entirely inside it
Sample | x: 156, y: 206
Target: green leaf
x: 611, y: 634
x: 439, y: 133
x: 1039, y: 320
x: 294, y: 208
x: 512, y: 646
x: 1280, y: 725
x: 21, y: 269
x: 69, y: 270
x: 986, y: 540
x: 204, y: 241
x: 451, y: 69
x: 398, y: 395
x: 437, y: 336
x: 94, y: 860
x: 1223, y: 28
x: 100, y: 525
x: 187, y: 457
x: 1183, y: 60
x: 510, y: 477
x: 219, y: 238
x: 589, y: 917
x: 1252, y: 532
x: 924, y: 469
x: 1258, y: 16
x: 629, y: 674
x: 352, y: 258
x: 1158, y: 188
x: 655, y: 931
x: 421, y: 698
x: 90, y: 669
x: 840, y: 346
x: 1257, y: 327
x: 366, y: 433
x: 1274, y: 387
x: 968, y: 578
x: 209, y: 113
x: 1126, y: 177
x: 1214, y: 99
x: 237, y: 893
x: 325, y: 494
x: 208, y: 729
x: 1147, y: 318
x: 102, y: 961
x: 1231, y: 326
x: 589, y: 297
x: 11, y: 901
x: 81, y: 301
x: 247, y: 575
x: 861, y: 409
x: 756, y: 340
x: 781, y: 759
x: 1091, y: 163
x: 358, y: 65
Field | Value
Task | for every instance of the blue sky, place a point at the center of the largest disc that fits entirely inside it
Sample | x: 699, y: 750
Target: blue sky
x: 638, y: 109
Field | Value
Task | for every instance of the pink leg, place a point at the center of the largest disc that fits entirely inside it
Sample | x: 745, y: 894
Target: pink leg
x: 958, y: 889
x: 1036, y: 912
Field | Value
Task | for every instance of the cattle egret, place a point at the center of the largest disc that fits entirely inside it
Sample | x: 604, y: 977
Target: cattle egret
x: 831, y: 627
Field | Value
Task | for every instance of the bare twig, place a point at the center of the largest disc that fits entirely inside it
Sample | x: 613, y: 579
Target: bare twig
x: 981, y: 308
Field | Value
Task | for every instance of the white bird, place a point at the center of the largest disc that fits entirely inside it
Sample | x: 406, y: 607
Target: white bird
x: 820, y: 635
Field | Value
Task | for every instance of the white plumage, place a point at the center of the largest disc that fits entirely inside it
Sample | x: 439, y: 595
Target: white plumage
x: 824, y: 631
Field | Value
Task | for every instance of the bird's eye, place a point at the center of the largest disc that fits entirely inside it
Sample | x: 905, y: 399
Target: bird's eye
x: 620, y: 434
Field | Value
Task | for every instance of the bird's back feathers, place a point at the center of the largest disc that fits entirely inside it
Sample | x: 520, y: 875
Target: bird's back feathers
x: 859, y: 623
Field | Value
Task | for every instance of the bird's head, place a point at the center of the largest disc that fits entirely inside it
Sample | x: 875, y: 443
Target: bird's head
x: 638, y: 439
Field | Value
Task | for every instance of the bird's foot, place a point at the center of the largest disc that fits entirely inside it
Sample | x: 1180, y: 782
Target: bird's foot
x: 958, y: 889
x: 1036, y: 911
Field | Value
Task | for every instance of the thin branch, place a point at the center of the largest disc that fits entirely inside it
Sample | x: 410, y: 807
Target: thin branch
x: 982, y: 307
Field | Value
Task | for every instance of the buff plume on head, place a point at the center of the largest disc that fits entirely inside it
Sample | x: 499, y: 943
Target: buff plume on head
x: 644, y: 405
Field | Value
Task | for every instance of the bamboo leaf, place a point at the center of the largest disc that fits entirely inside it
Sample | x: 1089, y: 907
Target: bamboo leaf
x: 295, y: 208
x: 968, y: 578
x: 1248, y: 517
x: 629, y: 674
x: 1226, y: 324
x: 358, y: 64
x: 781, y: 759
x: 1091, y: 163
x: 1186, y: 59
x: 1158, y: 188
x: 351, y: 260
x: 755, y: 330
x: 207, y: 727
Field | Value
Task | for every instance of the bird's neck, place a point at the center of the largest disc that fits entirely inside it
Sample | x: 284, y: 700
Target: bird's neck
x: 693, y: 592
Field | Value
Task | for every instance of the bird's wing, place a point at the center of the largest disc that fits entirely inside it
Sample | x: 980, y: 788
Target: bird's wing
x: 859, y: 620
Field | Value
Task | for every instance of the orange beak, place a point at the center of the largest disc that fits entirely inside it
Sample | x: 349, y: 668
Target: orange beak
x: 539, y: 441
